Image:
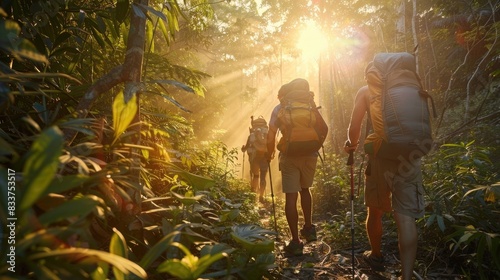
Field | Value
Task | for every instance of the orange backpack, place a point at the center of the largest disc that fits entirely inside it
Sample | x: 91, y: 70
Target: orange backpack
x: 304, y: 129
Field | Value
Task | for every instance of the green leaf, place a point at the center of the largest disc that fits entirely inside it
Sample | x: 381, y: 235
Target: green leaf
x: 164, y: 31
x: 123, y: 113
x: 41, y: 165
x: 43, y: 237
x: 81, y: 255
x: 215, y: 249
x: 430, y: 220
x: 172, y: 100
x: 138, y: 11
x: 196, y: 181
x: 229, y: 214
x: 190, y: 266
x: 18, y: 47
x: 97, y: 36
x: 175, y: 83
x: 78, y: 207
x: 173, y: 23
x: 253, y: 239
x: 122, y: 9
x: 118, y: 246
x: 157, y: 250
x: 61, y: 38
x: 153, y: 11
x: 150, y: 36
x: 176, y: 268
x: 101, y: 272
x: 187, y: 200
x: 440, y: 222
x: 6, y: 151
x: 62, y: 184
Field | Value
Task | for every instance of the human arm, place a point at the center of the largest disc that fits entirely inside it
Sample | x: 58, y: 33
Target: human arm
x: 244, y: 148
x: 361, y: 106
x: 271, y: 134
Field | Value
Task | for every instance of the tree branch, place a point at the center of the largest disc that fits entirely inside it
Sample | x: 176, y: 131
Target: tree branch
x: 107, y: 82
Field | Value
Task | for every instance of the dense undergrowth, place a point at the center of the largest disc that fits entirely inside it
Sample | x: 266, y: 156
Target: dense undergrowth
x: 134, y: 196
x: 77, y: 216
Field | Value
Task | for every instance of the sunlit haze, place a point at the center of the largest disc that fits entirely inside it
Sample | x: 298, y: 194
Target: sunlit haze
x: 236, y: 120
x: 311, y: 40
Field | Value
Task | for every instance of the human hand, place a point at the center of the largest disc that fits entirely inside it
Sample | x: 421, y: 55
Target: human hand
x: 269, y: 157
x: 348, y: 148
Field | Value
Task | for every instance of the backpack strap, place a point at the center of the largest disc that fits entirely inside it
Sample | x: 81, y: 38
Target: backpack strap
x: 424, y: 92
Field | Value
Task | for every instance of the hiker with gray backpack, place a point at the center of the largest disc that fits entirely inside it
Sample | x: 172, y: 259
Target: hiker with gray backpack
x: 398, y: 114
x: 303, y: 133
x: 256, y: 148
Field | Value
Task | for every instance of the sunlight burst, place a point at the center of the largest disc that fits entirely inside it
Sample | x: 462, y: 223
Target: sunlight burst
x: 311, y: 40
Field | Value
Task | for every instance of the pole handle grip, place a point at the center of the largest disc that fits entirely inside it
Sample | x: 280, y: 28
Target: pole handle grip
x: 350, y: 160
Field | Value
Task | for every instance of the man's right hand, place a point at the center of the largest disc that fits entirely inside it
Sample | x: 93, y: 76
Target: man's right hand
x: 348, y: 148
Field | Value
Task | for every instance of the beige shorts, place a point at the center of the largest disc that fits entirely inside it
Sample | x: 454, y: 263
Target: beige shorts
x: 394, y: 185
x: 297, y: 173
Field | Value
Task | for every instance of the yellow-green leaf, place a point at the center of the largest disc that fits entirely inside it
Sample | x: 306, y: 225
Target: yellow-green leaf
x: 118, y: 247
x: 95, y: 256
x: 123, y: 113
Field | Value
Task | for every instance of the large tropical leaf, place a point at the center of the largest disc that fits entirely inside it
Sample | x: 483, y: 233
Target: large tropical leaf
x: 41, y: 165
x: 253, y: 238
x: 81, y: 255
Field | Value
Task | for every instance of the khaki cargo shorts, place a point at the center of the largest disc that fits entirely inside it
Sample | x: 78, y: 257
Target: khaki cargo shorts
x: 394, y: 185
x: 297, y: 173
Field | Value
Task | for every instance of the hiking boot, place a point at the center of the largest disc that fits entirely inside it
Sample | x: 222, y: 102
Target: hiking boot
x: 294, y: 248
x: 376, y: 263
x: 309, y: 234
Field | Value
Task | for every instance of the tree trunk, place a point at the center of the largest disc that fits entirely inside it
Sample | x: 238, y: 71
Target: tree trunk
x: 129, y: 72
x: 414, y: 31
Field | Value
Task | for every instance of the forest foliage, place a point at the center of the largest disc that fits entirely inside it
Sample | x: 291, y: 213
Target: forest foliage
x: 115, y: 157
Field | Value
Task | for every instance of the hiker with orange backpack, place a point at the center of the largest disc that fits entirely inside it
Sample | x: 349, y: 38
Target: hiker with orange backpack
x: 399, y: 118
x: 303, y: 133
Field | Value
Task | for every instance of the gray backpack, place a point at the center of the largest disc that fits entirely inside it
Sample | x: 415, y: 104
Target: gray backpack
x: 399, y: 110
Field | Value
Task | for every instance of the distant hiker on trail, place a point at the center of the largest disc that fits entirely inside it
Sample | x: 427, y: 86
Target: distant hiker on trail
x: 303, y: 133
x: 393, y: 176
x: 256, y: 148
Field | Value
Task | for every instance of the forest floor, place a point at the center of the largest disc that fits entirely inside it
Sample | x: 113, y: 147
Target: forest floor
x: 321, y: 261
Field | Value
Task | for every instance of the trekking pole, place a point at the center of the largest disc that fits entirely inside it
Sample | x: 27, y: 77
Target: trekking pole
x: 272, y: 200
x: 243, y: 167
x: 350, y: 162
